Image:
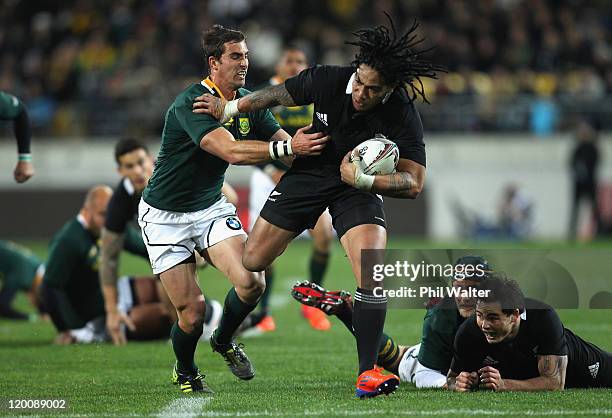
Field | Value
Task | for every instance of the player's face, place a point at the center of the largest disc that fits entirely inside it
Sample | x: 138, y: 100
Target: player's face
x: 368, y: 88
x: 291, y: 64
x: 466, y: 305
x: 494, y: 323
x: 137, y: 166
x: 231, y: 69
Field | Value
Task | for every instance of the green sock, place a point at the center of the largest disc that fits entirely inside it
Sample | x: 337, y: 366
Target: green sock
x: 184, y: 346
x: 265, y: 298
x: 234, y: 312
x: 388, y: 351
x: 318, y: 266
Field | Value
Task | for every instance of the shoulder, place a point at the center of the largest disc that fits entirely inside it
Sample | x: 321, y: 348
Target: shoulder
x: 70, y: 236
x: 443, y: 317
x: 540, y: 314
x: 186, y: 97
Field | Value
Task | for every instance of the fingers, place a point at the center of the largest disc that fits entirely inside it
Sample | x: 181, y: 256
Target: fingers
x: 347, y: 158
x: 128, y: 322
x: 304, y: 128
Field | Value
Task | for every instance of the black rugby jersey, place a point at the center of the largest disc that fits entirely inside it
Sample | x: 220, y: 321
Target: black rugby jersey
x: 329, y: 88
x: 540, y: 333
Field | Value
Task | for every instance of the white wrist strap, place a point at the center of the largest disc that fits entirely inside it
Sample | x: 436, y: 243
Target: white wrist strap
x: 280, y: 149
x: 230, y: 110
x: 363, y: 181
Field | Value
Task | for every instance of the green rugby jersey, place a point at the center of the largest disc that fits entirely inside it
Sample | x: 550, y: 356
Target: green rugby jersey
x: 439, y: 328
x: 9, y: 106
x: 18, y: 266
x: 187, y: 178
x: 72, y: 268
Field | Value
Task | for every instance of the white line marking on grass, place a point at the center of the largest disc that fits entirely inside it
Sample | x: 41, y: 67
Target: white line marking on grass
x: 185, y: 407
x: 395, y: 412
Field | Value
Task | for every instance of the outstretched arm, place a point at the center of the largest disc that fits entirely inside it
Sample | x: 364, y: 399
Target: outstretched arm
x: 223, y: 110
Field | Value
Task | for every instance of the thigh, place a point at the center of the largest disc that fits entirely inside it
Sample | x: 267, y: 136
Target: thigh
x: 226, y: 256
x: 268, y: 241
x: 322, y: 234
x: 180, y: 285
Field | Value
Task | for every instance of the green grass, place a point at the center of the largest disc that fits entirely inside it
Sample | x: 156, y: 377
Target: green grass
x: 299, y: 371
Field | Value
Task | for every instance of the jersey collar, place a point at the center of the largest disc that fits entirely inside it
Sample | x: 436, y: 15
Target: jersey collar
x: 129, y: 187
x: 349, y: 85
x: 212, y: 87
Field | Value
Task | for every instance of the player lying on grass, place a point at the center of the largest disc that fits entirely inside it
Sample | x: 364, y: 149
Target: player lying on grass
x: 515, y: 343
x: 71, y: 291
x: 20, y: 271
x: 11, y: 108
x: 135, y: 165
x: 425, y: 364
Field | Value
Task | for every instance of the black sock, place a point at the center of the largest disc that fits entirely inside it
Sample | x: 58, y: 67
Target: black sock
x: 369, y: 314
x: 318, y: 266
x: 346, y: 316
x: 388, y: 352
x: 265, y: 297
x: 184, y: 346
x: 234, y: 312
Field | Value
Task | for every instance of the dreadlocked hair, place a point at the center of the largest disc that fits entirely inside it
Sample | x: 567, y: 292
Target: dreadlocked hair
x: 395, y: 58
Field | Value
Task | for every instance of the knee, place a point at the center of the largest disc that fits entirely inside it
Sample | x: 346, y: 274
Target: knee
x: 251, y: 287
x: 252, y: 259
x: 191, y: 315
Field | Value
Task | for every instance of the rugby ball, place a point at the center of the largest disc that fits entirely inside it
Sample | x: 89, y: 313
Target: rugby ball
x: 376, y: 156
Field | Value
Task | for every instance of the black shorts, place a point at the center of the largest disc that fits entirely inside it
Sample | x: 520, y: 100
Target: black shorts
x: 299, y: 199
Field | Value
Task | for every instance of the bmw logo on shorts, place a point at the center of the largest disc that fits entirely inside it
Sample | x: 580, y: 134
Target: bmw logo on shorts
x: 233, y: 223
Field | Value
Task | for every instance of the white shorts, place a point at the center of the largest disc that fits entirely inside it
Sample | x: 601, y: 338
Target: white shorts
x: 411, y: 370
x: 172, y: 237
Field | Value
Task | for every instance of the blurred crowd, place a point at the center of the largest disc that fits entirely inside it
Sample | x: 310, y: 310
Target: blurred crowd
x: 86, y: 67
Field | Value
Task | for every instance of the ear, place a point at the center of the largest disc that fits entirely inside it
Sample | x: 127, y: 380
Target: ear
x: 516, y: 314
x: 212, y: 62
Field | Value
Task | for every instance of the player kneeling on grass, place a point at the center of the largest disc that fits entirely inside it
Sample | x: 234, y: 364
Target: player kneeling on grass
x: 71, y: 292
x: 20, y: 271
x: 520, y: 344
x: 427, y: 363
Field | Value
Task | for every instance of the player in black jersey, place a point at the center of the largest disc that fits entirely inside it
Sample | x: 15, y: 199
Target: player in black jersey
x: 292, y: 62
x: 518, y: 344
x: 373, y: 96
x: 135, y: 165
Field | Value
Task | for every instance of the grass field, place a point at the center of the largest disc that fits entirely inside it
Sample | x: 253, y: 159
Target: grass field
x: 300, y: 372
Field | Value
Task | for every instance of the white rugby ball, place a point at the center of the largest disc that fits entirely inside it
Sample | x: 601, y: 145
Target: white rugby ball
x: 376, y: 156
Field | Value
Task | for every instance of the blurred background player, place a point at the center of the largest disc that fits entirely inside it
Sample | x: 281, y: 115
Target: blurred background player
x: 11, y: 108
x: 71, y: 291
x: 515, y: 343
x: 427, y: 363
x: 263, y: 181
x: 584, y: 163
x: 135, y: 166
x: 20, y: 271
